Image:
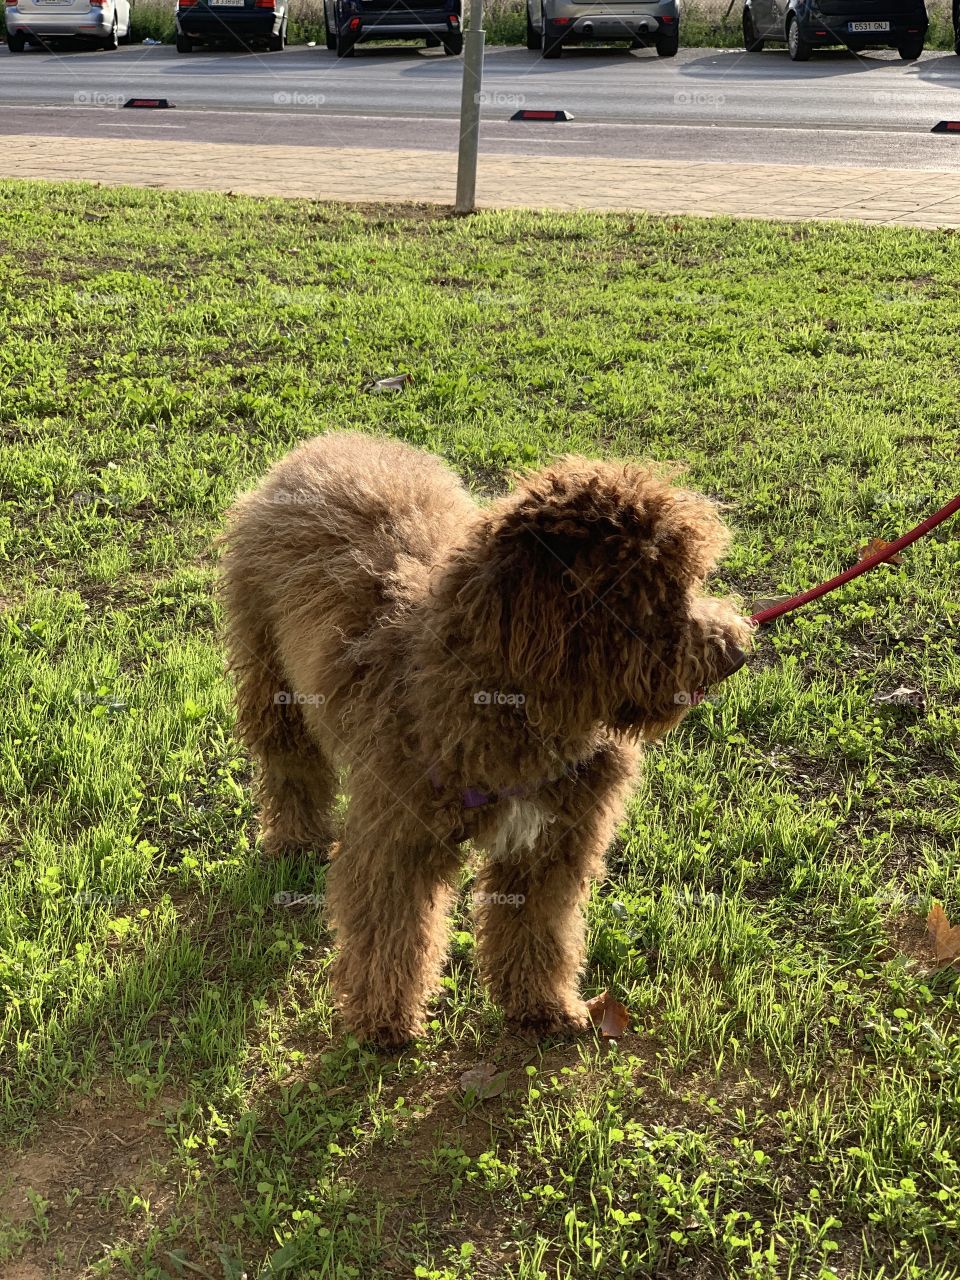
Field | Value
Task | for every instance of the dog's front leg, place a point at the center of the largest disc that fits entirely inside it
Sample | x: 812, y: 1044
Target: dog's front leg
x: 389, y: 892
x: 529, y: 906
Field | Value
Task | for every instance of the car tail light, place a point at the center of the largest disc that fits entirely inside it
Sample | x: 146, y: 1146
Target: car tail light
x: 562, y: 22
x: 354, y: 24
x: 454, y: 20
x: 264, y: 4
x: 666, y: 19
x: 185, y: 4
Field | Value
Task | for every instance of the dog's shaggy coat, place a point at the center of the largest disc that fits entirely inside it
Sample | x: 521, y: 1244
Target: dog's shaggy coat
x: 478, y: 673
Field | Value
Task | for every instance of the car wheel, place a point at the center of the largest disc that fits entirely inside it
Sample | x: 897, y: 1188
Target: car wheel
x: 344, y: 45
x: 328, y: 30
x: 800, y: 49
x: 276, y: 43
x: 184, y: 44
x: 956, y: 42
x: 113, y: 39
x: 453, y: 43
x: 911, y: 52
x: 751, y: 42
x: 15, y: 41
x: 668, y: 44
x: 534, y: 38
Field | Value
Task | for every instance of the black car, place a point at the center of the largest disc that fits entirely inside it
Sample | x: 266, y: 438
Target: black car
x: 241, y: 22
x: 805, y: 25
x: 349, y: 22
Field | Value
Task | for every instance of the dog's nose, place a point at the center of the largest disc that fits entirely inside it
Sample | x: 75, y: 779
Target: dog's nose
x: 735, y: 660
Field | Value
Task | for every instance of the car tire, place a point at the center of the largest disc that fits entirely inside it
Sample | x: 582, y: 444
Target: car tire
x: 184, y: 44
x: 16, y: 41
x: 277, y: 43
x: 453, y: 44
x: 329, y: 34
x: 799, y: 49
x: 668, y: 45
x: 344, y: 45
x: 912, y: 51
x: 534, y: 38
x: 112, y: 41
x: 751, y: 41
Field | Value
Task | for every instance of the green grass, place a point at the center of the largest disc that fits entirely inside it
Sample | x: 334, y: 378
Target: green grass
x: 175, y: 1093
x: 705, y: 23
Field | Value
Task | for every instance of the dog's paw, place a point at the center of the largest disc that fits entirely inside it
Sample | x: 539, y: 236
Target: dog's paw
x: 558, y: 1020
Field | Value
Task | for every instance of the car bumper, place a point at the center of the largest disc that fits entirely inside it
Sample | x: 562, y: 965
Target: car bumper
x: 833, y: 29
x: 207, y: 24
x: 403, y: 23
x: 576, y: 22
x: 93, y: 23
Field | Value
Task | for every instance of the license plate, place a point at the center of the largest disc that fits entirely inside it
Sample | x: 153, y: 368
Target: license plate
x: 868, y: 26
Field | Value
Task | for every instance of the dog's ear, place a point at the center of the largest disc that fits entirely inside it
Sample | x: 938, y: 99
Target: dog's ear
x: 616, y: 542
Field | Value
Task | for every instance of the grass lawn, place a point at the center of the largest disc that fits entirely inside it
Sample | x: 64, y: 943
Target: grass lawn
x: 176, y: 1096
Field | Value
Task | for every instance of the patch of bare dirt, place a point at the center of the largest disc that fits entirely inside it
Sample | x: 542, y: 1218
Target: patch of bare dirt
x: 104, y: 1141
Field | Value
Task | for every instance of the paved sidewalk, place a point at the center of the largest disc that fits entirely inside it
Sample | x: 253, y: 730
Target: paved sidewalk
x: 882, y: 196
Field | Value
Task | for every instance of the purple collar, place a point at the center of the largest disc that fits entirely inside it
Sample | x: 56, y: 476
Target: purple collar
x: 474, y: 798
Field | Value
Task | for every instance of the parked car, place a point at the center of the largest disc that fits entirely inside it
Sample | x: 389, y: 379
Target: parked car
x: 106, y: 22
x: 246, y: 22
x: 352, y: 22
x: 805, y: 25
x: 551, y: 24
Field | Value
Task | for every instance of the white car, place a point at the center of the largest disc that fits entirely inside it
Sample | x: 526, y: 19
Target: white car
x: 32, y: 21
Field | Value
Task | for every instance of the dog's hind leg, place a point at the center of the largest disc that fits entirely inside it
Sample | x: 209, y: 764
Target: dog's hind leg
x: 389, y: 893
x: 297, y: 785
x: 529, y: 906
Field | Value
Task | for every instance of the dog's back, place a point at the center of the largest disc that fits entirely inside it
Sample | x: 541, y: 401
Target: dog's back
x: 334, y: 538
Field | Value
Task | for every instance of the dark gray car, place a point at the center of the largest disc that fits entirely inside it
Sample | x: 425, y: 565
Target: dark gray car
x: 551, y: 24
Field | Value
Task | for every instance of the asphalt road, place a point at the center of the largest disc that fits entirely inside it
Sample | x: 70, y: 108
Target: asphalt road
x: 707, y: 104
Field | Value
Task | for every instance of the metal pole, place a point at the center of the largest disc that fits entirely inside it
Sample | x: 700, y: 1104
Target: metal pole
x: 473, y: 42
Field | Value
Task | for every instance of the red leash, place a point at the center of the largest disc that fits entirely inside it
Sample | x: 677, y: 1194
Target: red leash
x: 864, y: 566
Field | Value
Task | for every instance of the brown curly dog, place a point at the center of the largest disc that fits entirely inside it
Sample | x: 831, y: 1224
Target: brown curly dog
x: 477, y: 673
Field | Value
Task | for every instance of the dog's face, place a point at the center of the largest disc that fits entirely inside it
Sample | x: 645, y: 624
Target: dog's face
x: 593, y: 575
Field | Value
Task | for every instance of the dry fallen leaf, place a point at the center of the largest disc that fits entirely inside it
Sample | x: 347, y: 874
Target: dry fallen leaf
x: 944, y: 936
x: 395, y: 383
x: 609, y: 1016
x: 874, y: 547
x: 483, y: 1081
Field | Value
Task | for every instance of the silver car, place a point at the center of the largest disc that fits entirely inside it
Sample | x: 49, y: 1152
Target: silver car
x: 107, y: 22
x: 551, y: 24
